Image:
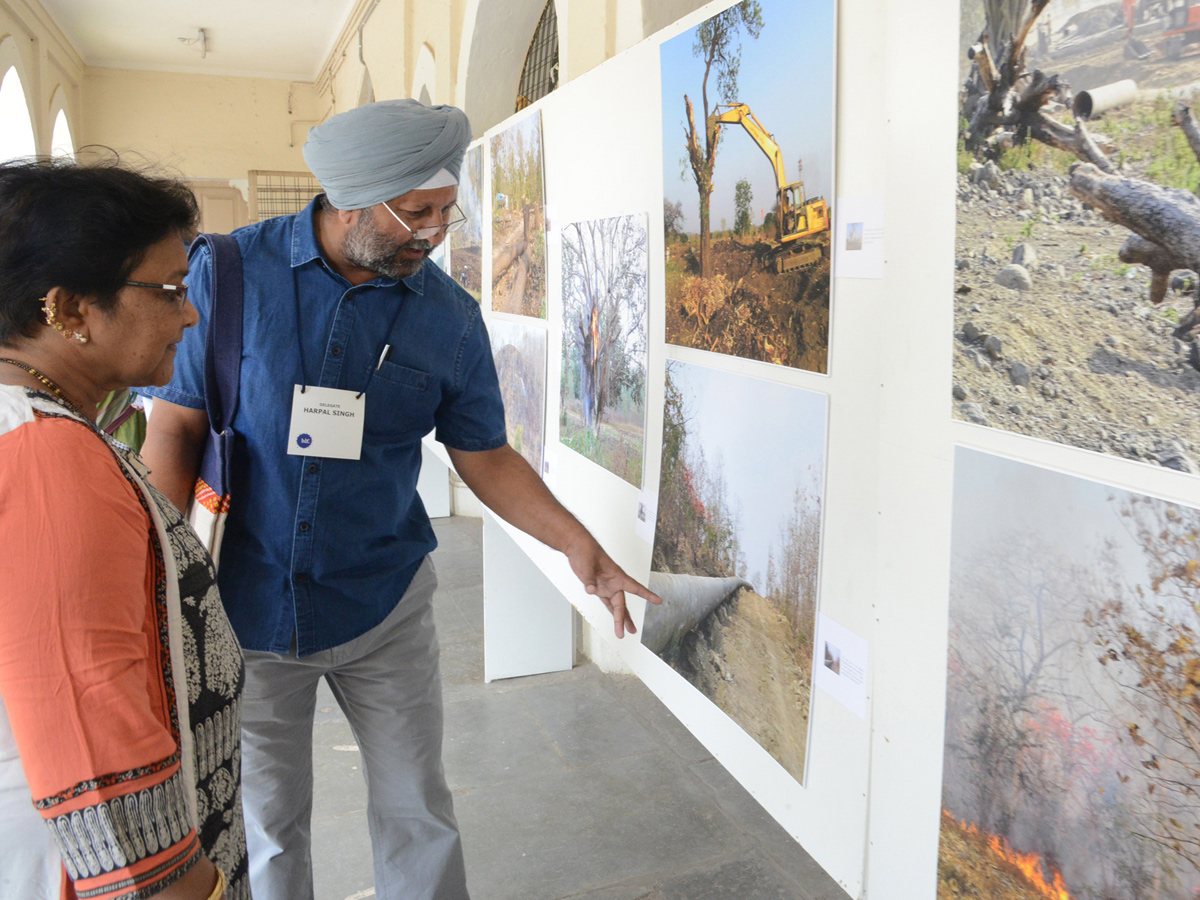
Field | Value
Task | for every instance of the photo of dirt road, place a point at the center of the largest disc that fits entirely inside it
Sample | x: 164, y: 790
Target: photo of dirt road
x: 748, y: 182
x: 1078, y: 227
x: 737, y: 549
x: 520, y: 355
x: 1071, y: 751
x: 466, y: 242
x: 519, y: 219
x: 603, y: 411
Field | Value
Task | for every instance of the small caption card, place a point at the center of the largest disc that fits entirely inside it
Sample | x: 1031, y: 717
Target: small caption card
x: 841, y: 665
x: 647, y: 515
x: 858, y: 240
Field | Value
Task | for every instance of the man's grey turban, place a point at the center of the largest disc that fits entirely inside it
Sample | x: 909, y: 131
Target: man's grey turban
x: 381, y: 150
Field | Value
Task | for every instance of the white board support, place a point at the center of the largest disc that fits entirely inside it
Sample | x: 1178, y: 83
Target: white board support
x: 528, y: 627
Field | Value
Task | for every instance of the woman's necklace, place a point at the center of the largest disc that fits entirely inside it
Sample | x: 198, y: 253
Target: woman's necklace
x: 48, y: 382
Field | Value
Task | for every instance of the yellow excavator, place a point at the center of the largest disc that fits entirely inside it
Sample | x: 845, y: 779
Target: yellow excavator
x: 797, y: 217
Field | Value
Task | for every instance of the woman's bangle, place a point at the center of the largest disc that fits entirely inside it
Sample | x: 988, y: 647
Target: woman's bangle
x: 219, y: 890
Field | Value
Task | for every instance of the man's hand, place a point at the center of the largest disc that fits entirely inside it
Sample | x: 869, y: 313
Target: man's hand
x: 509, y: 487
x: 603, y: 578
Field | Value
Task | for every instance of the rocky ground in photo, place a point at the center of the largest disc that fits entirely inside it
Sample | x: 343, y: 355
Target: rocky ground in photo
x: 747, y: 658
x: 1055, y: 337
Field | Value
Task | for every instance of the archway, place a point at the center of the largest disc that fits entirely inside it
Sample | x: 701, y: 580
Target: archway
x: 424, y: 86
x: 16, y: 126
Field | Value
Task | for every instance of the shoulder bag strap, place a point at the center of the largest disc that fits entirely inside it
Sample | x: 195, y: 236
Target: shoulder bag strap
x: 223, y: 341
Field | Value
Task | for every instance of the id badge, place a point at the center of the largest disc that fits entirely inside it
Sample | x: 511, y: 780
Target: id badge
x: 326, y: 422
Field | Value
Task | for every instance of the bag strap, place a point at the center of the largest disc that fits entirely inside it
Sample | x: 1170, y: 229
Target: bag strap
x: 223, y: 341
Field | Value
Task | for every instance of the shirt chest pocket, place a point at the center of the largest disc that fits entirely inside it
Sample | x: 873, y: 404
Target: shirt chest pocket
x: 400, y: 402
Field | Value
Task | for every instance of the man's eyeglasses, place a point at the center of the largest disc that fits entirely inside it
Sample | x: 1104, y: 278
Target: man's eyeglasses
x: 177, y: 291
x: 430, y: 231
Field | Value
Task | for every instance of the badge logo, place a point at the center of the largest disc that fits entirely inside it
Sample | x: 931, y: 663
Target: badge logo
x: 304, y: 441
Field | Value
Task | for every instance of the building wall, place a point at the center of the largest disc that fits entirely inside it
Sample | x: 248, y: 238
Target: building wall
x: 204, y: 126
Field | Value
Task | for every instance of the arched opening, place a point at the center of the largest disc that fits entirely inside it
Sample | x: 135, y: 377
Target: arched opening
x: 16, y: 127
x: 61, y: 142
x: 424, y: 86
x: 498, y: 33
x: 539, y: 74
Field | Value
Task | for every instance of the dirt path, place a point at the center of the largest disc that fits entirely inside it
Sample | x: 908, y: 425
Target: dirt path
x: 744, y: 659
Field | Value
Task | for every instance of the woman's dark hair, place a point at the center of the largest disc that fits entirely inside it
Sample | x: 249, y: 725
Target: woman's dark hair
x: 80, y: 227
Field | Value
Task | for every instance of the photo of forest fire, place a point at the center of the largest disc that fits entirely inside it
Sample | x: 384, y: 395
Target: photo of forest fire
x: 737, y: 549
x: 520, y: 354
x: 466, y: 242
x: 748, y: 181
x: 1078, y: 232
x: 1072, y: 746
x: 603, y: 411
x: 519, y: 220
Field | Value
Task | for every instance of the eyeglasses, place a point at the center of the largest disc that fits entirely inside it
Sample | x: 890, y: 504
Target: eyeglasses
x: 431, y: 231
x: 177, y: 291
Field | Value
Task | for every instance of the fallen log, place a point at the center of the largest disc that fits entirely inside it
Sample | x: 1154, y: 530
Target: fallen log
x: 1138, y: 251
x: 1168, y: 217
x: 506, y: 257
x: 687, y: 601
x: 516, y: 295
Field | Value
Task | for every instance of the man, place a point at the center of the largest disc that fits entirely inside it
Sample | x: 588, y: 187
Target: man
x: 324, y: 564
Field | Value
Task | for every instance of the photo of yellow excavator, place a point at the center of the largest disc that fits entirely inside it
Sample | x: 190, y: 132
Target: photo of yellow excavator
x: 798, y: 217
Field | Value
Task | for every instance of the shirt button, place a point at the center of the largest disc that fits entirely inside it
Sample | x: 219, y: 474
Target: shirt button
x: 336, y: 351
x: 312, y: 468
x: 304, y: 526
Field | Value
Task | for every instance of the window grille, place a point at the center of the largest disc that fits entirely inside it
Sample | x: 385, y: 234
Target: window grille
x: 280, y: 193
x: 540, y: 73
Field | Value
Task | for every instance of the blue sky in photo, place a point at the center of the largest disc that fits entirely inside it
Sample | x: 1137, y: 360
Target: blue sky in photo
x: 770, y: 437
x: 786, y: 78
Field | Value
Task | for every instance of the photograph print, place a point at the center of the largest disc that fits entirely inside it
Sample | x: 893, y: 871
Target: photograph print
x: 748, y: 126
x: 1072, y: 742
x: 519, y: 352
x: 466, y: 242
x: 603, y: 411
x: 1078, y: 236
x: 737, y: 549
x: 519, y: 219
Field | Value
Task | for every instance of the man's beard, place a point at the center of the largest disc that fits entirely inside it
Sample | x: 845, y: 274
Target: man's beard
x: 369, y: 248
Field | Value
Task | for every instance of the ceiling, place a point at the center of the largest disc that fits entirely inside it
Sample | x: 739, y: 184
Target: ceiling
x: 286, y: 39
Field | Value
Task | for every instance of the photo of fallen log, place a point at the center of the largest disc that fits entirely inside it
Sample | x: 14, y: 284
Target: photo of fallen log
x: 518, y: 220
x: 1079, y: 226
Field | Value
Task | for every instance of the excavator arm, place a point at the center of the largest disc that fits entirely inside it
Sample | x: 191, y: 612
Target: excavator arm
x: 739, y: 114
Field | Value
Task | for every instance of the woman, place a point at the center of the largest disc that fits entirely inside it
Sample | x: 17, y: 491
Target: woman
x: 120, y: 677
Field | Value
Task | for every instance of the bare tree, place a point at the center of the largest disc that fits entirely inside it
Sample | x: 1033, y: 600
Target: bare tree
x: 604, y: 300
x: 717, y: 43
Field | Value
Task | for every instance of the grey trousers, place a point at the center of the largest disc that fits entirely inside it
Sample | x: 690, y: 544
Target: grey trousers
x: 388, y: 684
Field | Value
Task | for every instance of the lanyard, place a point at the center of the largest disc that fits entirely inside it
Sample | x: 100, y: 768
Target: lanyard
x: 383, y: 350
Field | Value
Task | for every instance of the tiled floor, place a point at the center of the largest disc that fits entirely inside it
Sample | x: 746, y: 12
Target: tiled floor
x: 571, y: 785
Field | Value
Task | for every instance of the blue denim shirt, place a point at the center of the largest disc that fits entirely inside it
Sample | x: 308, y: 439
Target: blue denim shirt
x: 325, y: 548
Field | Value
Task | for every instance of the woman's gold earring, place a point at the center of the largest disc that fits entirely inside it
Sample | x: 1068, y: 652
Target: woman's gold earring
x: 50, y: 311
x: 82, y: 338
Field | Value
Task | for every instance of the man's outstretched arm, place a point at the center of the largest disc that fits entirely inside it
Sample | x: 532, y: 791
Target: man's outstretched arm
x: 508, y: 486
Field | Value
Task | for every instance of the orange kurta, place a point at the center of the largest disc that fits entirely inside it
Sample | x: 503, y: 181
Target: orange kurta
x: 84, y: 662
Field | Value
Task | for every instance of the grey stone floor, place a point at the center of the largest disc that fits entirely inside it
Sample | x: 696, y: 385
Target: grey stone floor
x: 569, y: 785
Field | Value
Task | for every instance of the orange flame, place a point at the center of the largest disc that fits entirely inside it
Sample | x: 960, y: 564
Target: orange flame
x: 1032, y: 866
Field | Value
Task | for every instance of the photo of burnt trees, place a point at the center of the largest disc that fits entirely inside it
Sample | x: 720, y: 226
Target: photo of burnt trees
x: 1072, y: 745
x: 737, y: 549
x: 748, y: 181
x: 520, y: 354
x: 466, y: 242
x: 1078, y: 232
x: 519, y: 220
x: 603, y: 410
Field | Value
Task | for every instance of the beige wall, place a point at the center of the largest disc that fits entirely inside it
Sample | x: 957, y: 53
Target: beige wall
x: 204, y: 126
